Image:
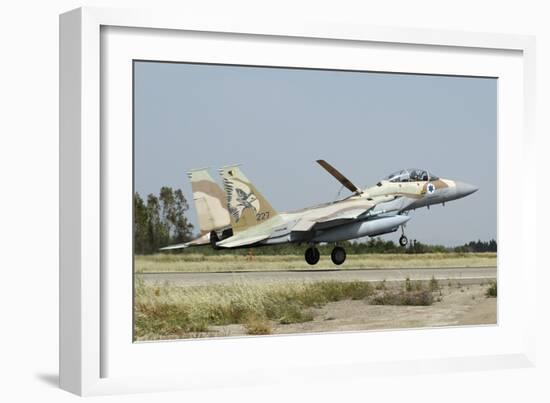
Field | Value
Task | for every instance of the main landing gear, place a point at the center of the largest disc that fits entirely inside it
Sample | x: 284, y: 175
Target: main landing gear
x: 338, y: 255
x: 312, y: 255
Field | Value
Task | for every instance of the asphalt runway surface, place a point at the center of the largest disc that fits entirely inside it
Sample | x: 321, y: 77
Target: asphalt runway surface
x: 463, y: 274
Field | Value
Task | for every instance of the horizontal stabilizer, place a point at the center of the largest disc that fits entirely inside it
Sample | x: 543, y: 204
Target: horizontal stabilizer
x: 230, y: 243
x: 202, y: 240
x: 176, y: 246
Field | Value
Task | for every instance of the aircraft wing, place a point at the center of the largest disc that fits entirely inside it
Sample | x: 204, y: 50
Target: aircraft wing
x: 329, y: 221
x: 352, y: 214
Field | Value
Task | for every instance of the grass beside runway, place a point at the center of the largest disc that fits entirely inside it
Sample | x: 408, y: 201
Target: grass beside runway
x: 170, y: 312
x: 194, y: 262
x: 182, y: 312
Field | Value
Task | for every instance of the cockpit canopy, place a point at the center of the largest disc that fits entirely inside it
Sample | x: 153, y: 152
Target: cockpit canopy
x: 411, y: 175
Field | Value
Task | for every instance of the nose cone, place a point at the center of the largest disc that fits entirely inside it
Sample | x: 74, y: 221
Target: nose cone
x: 464, y: 189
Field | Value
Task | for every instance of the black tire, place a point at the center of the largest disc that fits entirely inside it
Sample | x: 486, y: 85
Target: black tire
x: 312, y: 256
x: 338, y: 255
x: 403, y: 240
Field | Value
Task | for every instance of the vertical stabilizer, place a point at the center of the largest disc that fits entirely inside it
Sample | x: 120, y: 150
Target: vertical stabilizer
x: 210, y: 202
x: 246, y: 205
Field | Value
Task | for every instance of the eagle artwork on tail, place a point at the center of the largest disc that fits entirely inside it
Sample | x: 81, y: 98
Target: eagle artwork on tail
x: 240, y: 198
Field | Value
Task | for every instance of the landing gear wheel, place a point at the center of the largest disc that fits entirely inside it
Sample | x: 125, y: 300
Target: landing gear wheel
x: 338, y: 255
x: 403, y: 240
x: 312, y: 255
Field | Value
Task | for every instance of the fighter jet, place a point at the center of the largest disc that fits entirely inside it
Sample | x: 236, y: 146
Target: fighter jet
x: 373, y: 211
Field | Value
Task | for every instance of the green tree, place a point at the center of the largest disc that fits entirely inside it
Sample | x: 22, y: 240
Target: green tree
x: 173, y: 208
x: 167, y: 209
x: 157, y: 231
x: 182, y: 227
x: 160, y: 221
x: 140, y: 225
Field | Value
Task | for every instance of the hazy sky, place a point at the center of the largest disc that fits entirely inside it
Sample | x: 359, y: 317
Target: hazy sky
x: 277, y: 122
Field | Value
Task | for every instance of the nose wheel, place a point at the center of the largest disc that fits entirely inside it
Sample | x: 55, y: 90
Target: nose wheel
x: 312, y: 255
x: 403, y: 241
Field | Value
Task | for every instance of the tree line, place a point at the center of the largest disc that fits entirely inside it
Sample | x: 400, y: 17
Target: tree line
x: 373, y: 245
x: 160, y: 220
x: 478, y: 246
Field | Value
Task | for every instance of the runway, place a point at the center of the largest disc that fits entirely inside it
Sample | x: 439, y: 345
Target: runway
x: 463, y: 274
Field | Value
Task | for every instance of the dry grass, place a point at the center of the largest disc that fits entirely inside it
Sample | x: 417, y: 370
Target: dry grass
x: 412, y: 298
x: 257, y: 325
x: 228, y: 263
x: 169, y: 311
x: 182, y: 312
x: 411, y: 293
x: 434, y: 285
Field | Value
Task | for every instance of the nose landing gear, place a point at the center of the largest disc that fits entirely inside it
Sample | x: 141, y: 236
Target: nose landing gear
x: 403, y: 239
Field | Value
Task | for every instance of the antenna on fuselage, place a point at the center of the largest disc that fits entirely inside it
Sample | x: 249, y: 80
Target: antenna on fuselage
x: 338, y: 194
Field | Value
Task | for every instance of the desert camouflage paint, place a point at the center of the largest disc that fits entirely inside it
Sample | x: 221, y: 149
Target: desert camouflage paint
x: 210, y: 202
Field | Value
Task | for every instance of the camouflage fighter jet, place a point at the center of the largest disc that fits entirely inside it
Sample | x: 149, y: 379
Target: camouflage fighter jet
x: 373, y: 211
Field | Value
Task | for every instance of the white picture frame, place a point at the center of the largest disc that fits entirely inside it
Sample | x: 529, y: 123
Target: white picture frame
x: 93, y: 349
